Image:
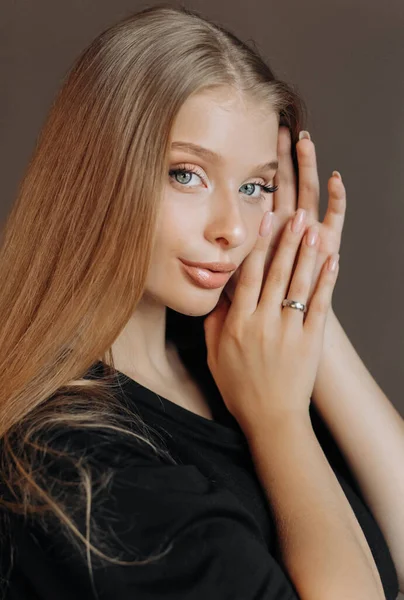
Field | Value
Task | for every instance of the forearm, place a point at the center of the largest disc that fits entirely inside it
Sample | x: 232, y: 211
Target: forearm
x: 318, y: 537
x: 369, y: 431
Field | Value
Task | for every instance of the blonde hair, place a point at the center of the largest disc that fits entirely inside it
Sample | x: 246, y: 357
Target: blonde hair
x: 76, y: 246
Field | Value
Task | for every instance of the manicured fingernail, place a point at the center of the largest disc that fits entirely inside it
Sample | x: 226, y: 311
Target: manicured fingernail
x: 333, y: 263
x: 337, y: 174
x: 312, y: 236
x: 266, y: 223
x: 297, y: 223
x: 304, y: 134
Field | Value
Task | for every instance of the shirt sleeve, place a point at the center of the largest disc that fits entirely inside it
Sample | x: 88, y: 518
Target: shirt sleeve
x: 216, y: 549
x: 205, y: 544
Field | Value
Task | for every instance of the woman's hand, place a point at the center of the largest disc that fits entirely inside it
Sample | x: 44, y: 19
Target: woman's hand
x: 264, y: 357
x: 286, y: 203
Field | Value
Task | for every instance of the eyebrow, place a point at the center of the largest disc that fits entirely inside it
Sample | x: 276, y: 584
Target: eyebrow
x: 214, y: 157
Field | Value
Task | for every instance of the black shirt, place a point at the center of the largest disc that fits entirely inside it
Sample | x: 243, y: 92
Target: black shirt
x: 210, y: 504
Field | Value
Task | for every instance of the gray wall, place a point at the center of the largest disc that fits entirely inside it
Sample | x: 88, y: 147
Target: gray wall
x: 346, y: 58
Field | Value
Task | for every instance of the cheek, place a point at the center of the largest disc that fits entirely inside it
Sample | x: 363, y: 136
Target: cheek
x: 172, y: 234
x: 177, y: 211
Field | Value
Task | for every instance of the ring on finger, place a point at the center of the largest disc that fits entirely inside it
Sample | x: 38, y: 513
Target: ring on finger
x: 310, y: 241
x: 294, y: 304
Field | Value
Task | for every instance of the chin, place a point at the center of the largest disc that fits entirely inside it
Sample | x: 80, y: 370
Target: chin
x: 199, y: 307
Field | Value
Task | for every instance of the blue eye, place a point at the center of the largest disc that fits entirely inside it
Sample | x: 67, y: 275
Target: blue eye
x: 175, y: 172
x: 267, y: 189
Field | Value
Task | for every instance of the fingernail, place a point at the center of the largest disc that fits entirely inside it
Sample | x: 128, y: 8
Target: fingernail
x: 333, y: 263
x: 304, y: 134
x: 337, y: 174
x: 298, y: 219
x: 312, y: 236
x: 266, y: 223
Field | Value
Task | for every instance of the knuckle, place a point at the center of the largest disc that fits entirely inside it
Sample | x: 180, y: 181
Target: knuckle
x: 337, y: 193
x: 291, y: 240
x: 307, y: 155
x: 304, y: 252
x: 300, y: 288
x: 306, y: 151
x: 319, y: 306
x: 307, y: 256
x: 247, y: 279
x: 276, y: 275
x: 307, y: 185
x: 234, y: 330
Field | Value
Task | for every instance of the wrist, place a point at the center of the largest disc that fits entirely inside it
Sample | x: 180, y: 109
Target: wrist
x: 331, y: 326
x: 269, y: 426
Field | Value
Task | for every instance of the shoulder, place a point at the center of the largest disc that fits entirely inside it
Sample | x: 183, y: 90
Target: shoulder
x: 183, y: 533
x: 107, y: 446
x: 176, y: 529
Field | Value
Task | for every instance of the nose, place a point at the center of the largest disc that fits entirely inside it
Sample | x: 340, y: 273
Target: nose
x: 227, y: 224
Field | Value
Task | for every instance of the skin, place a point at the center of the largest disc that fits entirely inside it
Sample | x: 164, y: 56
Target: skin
x: 208, y: 219
x: 218, y: 223
x: 287, y: 201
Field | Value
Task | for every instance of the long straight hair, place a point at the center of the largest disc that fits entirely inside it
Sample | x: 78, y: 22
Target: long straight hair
x: 76, y: 247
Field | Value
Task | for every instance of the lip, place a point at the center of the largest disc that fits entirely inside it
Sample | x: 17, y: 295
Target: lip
x: 206, y: 279
x: 212, y: 266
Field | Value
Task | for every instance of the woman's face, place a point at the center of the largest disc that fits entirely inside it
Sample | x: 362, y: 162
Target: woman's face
x: 211, y: 212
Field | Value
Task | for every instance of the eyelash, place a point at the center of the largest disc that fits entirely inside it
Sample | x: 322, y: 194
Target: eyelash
x: 267, y: 189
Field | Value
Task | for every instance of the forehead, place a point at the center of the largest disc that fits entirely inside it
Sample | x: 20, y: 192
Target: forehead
x: 227, y: 102
x: 215, y: 126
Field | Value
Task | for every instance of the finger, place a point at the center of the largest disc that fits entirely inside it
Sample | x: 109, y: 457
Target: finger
x: 251, y: 274
x: 302, y: 277
x: 335, y: 214
x: 321, y: 301
x: 285, y: 198
x: 280, y: 271
x: 213, y: 325
x: 309, y: 185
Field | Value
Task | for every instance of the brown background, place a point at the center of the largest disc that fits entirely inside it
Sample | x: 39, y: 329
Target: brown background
x: 346, y: 58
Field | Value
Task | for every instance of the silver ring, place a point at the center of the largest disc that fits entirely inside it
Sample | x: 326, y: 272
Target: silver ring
x: 294, y: 304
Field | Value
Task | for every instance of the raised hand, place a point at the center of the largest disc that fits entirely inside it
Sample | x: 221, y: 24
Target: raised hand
x: 287, y: 199
x: 263, y: 357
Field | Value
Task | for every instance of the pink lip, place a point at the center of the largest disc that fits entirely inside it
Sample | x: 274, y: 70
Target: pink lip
x: 205, y: 278
x: 212, y: 266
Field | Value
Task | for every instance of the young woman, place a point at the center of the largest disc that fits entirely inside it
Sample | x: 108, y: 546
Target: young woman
x: 149, y: 450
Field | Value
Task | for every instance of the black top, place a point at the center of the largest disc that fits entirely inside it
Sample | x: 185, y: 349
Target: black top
x: 210, y: 504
